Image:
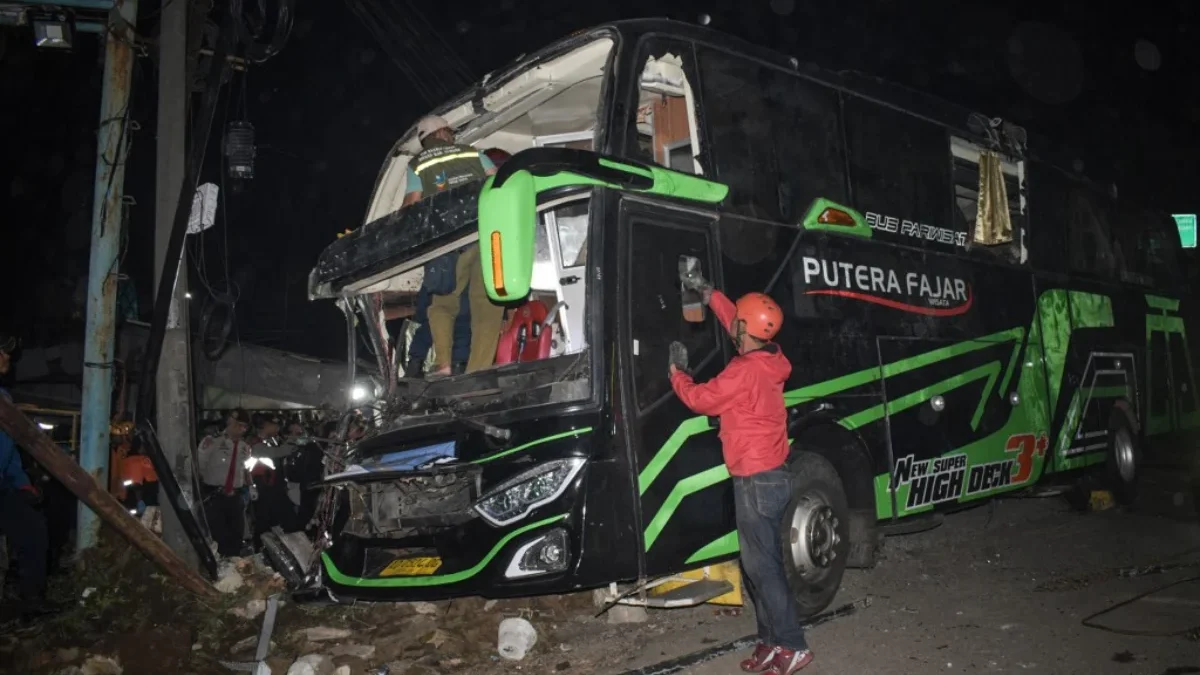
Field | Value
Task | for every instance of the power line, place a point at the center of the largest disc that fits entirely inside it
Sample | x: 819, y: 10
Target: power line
x: 423, y: 52
x: 381, y: 38
x: 455, y: 60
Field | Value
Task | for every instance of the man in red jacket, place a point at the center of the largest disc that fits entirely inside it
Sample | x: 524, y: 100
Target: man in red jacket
x: 748, y: 398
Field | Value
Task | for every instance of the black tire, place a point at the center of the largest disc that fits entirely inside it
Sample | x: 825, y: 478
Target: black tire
x: 1123, y: 463
x: 817, y: 487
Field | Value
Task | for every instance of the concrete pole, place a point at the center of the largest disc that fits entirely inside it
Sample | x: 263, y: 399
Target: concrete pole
x: 102, y: 272
x: 173, y: 389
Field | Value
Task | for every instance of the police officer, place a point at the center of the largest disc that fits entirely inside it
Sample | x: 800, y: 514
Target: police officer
x: 222, y: 463
x: 20, y: 519
x: 443, y: 164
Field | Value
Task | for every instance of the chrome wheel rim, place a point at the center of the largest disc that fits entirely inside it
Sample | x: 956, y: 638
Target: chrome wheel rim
x: 1124, y: 456
x: 812, y: 535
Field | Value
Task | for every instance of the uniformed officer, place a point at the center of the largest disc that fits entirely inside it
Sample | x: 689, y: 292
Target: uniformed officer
x: 221, y: 461
x: 443, y: 164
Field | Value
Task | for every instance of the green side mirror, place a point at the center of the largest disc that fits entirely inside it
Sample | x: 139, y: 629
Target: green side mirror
x: 507, y: 228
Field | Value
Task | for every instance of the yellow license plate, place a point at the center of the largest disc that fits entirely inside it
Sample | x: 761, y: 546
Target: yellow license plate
x: 412, y: 567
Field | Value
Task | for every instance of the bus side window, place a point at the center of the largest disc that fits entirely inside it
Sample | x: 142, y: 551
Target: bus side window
x: 655, y: 304
x: 1091, y: 248
x: 996, y: 234
x: 1160, y: 249
x: 665, y: 128
x: 776, y: 137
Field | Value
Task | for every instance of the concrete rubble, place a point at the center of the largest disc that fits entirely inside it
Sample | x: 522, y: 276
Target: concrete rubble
x: 312, y: 664
x: 229, y: 579
x: 324, y: 633
x: 361, y: 652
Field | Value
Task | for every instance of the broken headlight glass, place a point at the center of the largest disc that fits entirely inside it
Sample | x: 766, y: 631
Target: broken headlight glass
x: 513, y: 499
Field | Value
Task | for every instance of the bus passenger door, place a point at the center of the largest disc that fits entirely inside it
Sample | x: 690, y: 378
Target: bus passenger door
x: 686, y: 501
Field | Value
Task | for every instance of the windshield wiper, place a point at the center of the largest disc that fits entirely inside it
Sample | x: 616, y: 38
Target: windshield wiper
x: 489, y: 429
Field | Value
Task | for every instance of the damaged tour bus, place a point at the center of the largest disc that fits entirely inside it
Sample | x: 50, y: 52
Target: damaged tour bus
x: 964, y: 319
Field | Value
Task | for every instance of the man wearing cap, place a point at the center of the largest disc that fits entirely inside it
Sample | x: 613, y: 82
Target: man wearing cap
x: 221, y: 460
x: 441, y: 165
x: 20, y: 520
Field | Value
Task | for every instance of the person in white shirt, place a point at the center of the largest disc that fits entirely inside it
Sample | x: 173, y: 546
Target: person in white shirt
x: 223, y: 477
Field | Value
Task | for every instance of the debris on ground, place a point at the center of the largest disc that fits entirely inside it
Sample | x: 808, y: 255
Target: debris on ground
x: 361, y: 652
x: 325, y: 633
x: 252, y: 610
x: 312, y: 664
x: 247, y: 644
x: 517, y: 636
x: 229, y: 578
x: 622, y: 614
x: 144, y: 624
x: 101, y: 665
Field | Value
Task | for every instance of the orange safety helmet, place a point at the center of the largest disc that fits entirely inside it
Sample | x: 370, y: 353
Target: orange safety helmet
x: 761, y: 315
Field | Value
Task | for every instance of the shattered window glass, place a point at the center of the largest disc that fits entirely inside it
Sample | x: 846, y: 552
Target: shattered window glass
x: 572, y: 221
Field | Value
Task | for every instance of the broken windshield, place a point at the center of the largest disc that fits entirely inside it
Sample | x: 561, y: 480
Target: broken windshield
x: 538, y: 348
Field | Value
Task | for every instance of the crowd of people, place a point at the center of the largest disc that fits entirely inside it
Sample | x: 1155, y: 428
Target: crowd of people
x: 258, y: 472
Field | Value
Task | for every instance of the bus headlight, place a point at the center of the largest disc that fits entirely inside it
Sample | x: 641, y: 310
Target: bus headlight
x: 513, y: 499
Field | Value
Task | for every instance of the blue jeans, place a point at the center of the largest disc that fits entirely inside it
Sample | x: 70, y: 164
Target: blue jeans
x: 423, y: 340
x: 760, y: 502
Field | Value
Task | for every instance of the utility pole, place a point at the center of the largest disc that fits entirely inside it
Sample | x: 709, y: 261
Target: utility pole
x: 174, y: 381
x: 103, y: 267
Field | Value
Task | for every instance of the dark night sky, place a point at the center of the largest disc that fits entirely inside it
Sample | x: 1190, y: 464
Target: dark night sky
x: 328, y: 108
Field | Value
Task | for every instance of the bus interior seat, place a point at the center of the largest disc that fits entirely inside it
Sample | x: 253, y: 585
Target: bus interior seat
x: 528, y: 336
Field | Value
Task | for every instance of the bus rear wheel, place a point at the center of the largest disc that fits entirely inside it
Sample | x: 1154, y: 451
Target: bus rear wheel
x: 1123, y: 463
x: 815, y: 533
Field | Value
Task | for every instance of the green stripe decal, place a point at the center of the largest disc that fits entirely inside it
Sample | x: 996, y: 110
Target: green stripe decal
x: 722, y: 545
x: 689, y: 427
x: 696, y: 425
x: 682, y: 489
x: 989, y: 370
x: 530, y: 444
x: 1161, y: 303
x: 434, y: 580
x: 857, y: 379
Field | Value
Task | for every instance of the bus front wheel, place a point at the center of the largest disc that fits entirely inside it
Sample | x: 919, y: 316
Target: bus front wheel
x: 815, y: 533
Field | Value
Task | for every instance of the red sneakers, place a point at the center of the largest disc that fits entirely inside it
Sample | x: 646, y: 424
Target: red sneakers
x: 787, y: 661
x: 760, y: 660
